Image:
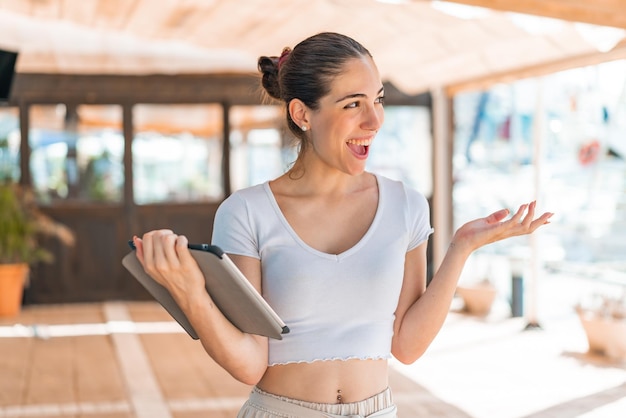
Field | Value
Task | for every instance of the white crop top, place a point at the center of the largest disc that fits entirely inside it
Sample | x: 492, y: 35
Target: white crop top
x: 336, y: 306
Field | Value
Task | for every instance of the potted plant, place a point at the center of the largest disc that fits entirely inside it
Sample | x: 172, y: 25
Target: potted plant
x: 20, y: 225
x: 478, y: 297
x: 603, y: 319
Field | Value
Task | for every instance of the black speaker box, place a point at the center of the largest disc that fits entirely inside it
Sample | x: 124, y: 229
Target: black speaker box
x: 7, y: 72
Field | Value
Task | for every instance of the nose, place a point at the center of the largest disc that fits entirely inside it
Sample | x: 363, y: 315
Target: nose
x: 373, y: 118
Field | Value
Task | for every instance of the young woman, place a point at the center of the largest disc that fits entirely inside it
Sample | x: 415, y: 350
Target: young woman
x: 338, y: 252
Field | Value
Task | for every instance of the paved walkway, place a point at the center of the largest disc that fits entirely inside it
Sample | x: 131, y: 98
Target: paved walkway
x: 129, y: 359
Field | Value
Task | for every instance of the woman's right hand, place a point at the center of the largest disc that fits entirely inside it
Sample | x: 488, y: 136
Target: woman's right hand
x: 166, y: 258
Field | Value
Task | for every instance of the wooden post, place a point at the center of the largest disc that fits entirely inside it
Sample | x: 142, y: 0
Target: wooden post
x: 442, y: 174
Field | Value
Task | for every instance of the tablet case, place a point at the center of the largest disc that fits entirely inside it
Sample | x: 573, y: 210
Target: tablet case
x: 231, y: 292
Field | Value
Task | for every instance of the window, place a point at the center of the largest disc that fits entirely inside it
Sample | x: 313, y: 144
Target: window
x: 177, y: 153
x: 77, y: 153
x: 9, y: 144
x: 259, y: 149
x: 402, y: 150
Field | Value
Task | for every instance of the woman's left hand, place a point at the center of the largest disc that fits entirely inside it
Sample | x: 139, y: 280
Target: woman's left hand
x: 483, y: 231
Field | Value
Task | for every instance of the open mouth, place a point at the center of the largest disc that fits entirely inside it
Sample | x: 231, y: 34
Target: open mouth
x: 360, y: 148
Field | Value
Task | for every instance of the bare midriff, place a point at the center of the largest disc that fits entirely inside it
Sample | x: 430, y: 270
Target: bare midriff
x: 332, y: 381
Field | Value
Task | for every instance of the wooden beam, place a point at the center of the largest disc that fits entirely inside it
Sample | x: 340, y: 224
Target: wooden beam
x: 597, y: 12
x: 241, y: 89
x: 482, y: 83
x: 235, y: 89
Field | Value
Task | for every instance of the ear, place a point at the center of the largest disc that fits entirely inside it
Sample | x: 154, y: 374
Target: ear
x: 298, y: 112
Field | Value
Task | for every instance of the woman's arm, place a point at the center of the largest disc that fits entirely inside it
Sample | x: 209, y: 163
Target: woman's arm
x: 422, y: 310
x: 166, y: 258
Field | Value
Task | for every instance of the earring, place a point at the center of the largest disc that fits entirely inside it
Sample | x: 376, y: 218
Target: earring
x: 304, y: 128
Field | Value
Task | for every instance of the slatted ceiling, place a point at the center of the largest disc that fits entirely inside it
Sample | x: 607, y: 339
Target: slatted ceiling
x: 231, y: 15
x: 151, y: 21
x: 401, y: 27
x: 415, y: 46
x: 44, y: 9
x: 598, y: 12
x: 11, y: 27
x: 170, y: 20
x: 14, y: 6
x: 433, y: 74
x: 472, y: 32
x: 501, y: 48
x: 184, y: 22
x: 569, y: 45
x: 501, y: 29
x: 431, y: 17
x: 98, y: 52
x: 22, y: 6
x: 209, y: 30
x: 258, y: 24
x: 81, y: 12
x: 299, y: 20
x: 112, y: 14
x: 514, y: 52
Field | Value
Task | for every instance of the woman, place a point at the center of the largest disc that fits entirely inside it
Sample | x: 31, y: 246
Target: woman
x: 339, y: 252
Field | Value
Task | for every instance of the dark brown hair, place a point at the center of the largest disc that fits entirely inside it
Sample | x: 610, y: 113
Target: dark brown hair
x: 307, y: 71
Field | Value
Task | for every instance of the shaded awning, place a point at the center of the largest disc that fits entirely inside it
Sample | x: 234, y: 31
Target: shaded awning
x: 418, y: 45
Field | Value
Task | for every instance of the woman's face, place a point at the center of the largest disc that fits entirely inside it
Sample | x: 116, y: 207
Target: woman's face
x: 348, y: 118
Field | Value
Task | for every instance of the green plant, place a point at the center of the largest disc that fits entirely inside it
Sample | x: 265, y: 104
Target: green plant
x: 21, y: 223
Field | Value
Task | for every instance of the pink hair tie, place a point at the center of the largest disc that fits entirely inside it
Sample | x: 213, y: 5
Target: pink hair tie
x: 283, y: 56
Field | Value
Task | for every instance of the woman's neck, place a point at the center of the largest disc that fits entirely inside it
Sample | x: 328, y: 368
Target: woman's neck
x: 313, y: 182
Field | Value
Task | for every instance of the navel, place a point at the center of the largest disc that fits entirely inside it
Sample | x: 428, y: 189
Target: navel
x: 339, y: 397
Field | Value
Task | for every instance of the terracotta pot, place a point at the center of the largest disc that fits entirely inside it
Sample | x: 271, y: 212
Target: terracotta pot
x: 605, y: 335
x: 478, y: 298
x: 12, y: 279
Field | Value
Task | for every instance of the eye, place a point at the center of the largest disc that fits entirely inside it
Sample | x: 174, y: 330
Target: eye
x: 352, y: 105
x: 380, y: 100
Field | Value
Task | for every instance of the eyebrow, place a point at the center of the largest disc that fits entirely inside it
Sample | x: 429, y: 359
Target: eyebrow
x: 352, y: 96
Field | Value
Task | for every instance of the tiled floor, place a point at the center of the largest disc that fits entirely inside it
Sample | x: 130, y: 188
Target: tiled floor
x: 123, y: 360
x: 128, y: 360
x: 496, y: 367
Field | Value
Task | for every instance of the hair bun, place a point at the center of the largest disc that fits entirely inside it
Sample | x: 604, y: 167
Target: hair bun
x: 268, y: 66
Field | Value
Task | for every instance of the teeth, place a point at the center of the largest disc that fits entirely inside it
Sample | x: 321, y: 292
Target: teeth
x: 364, y: 142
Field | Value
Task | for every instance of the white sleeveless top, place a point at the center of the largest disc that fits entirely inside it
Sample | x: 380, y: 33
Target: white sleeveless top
x: 337, y: 306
